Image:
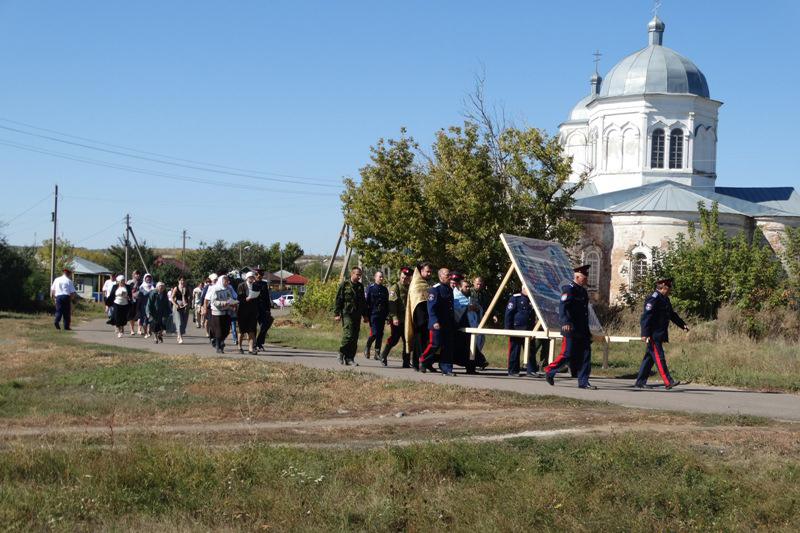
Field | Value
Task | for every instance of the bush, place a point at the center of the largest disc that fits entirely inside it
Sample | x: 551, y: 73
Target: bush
x: 317, y: 300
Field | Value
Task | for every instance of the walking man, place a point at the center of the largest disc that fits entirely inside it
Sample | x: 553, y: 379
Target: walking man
x: 576, y: 341
x: 264, y: 308
x: 349, y: 309
x: 441, y: 326
x: 655, y: 331
x: 398, y: 296
x: 377, y: 311
x: 63, y: 293
x: 520, y: 316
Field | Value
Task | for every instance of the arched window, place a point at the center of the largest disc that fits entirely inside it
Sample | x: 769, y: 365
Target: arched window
x: 657, y: 149
x: 676, y: 148
x: 593, y: 259
x: 638, y: 267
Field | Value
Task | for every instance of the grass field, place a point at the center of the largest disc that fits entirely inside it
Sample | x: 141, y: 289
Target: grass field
x: 265, y: 446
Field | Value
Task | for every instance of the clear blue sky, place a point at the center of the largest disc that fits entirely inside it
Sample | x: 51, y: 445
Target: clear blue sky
x: 299, y: 91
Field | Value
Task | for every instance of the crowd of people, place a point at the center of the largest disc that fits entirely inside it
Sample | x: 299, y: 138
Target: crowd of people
x: 148, y: 308
x: 429, y: 317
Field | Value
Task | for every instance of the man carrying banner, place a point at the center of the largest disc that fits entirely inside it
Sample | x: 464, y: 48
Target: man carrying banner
x: 576, y: 343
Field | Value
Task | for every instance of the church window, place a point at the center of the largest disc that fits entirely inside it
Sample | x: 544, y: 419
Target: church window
x: 657, y: 149
x: 676, y: 148
x: 639, y: 267
x: 593, y: 259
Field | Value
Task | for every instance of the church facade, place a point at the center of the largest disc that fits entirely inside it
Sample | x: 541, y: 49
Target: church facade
x: 646, y: 136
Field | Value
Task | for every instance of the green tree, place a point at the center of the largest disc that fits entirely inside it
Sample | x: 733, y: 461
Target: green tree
x: 116, y: 254
x: 65, y: 253
x: 209, y: 258
x: 16, y: 293
x: 291, y: 253
x: 791, y: 262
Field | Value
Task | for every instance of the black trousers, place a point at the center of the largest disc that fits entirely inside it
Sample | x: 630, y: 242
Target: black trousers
x: 222, y: 327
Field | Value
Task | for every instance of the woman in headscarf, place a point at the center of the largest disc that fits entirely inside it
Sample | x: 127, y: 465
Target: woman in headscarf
x: 157, y: 310
x: 248, y: 311
x: 223, y: 301
x: 181, y: 300
x: 119, y: 300
x: 145, y: 289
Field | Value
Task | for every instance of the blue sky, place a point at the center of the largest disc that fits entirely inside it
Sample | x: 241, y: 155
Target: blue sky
x: 299, y: 91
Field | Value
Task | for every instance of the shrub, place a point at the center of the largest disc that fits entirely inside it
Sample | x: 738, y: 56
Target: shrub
x: 318, y: 299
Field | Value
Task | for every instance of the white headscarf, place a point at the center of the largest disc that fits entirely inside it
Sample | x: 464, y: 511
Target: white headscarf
x: 146, y: 287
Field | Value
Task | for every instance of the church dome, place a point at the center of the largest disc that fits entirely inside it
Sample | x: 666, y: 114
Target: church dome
x: 655, y: 70
x: 580, y: 113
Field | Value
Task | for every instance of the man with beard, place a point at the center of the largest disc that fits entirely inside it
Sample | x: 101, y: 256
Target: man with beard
x: 416, y: 323
x: 441, y: 326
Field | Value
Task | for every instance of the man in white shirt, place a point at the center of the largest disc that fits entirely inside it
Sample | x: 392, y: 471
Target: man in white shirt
x: 108, y: 286
x: 62, y: 291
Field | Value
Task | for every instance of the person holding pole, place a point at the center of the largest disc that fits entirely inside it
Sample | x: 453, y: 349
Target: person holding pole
x: 520, y: 316
x: 63, y: 293
x: 655, y: 331
x: 576, y: 341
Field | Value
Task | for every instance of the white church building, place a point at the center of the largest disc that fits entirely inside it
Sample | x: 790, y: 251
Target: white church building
x: 647, y: 137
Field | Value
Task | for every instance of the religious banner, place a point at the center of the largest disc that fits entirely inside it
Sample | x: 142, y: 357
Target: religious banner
x: 544, y: 268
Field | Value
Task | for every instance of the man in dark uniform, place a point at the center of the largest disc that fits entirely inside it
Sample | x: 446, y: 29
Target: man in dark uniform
x: 349, y: 309
x: 264, y: 308
x: 576, y: 336
x: 398, y: 296
x: 655, y: 331
x: 377, y: 309
x: 520, y: 316
x: 441, y: 326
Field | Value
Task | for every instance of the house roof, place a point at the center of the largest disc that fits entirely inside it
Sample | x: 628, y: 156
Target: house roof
x: 295, y: 279
x: 671, y: 196
x: 84, y: 266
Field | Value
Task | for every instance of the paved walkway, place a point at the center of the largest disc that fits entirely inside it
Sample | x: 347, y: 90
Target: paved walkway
x: 690, y: 398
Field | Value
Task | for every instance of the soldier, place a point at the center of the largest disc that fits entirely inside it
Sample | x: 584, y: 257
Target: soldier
x: 63, y: 292
x: 398, y: 296
x: 377, y: 309
x: 576, y: 340
x: 349, y: 309
x: 655, y: 331
x: 441, y: 326
x: 483, y: 298
x: 520, y: 316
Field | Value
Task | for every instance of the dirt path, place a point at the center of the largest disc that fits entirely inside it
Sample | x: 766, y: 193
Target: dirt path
x: 690, y: 398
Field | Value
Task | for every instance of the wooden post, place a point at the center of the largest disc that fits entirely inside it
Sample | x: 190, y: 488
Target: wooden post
x: 473, y: 343
x: 605, y: 352
x: 525, y: 351
x: 496, y: 296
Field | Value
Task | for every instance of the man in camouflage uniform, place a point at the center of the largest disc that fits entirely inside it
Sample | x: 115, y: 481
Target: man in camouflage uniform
x: 350, y: 309
x: 398, y: 296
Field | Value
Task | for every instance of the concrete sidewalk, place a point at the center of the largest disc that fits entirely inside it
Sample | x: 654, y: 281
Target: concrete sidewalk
x: 689, y: 398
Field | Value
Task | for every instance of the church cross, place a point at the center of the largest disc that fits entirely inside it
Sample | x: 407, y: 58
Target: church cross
x: 657, y: 5
x: 597, y: 56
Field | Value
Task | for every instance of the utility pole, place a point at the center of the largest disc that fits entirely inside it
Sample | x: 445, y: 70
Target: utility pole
x: 53, y: 246
x: 281, y: 268
x: 138, y: 250
x: 335, y: 251
x: 183, y: 252
x: 127, y: 242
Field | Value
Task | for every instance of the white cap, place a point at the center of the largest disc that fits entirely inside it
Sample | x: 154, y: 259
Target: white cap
x: 249, y: 275
x: 213, y: 277
x: 120, y: 278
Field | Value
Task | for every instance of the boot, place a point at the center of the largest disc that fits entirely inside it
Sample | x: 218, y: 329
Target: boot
x: 384, y: 355
x: 366, y: 351
x: 377, y: 354
x: 406, y: 360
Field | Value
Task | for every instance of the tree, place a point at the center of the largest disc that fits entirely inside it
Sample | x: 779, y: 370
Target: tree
x: 210, y: 258
x: 291, y: 253
x: 17, y: 270
x: 117, y: 257
x: 65, y: 253
x: 452, y: 208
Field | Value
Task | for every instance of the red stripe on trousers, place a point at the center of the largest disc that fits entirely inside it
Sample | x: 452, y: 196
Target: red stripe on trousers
x: 552, y: 365
x: 657, y: 357
x: 430, y: 343
x: 508, y: 355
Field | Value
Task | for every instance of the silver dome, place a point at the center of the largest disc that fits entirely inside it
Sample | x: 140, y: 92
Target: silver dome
x: 580, y: 113
x: 655, y: 69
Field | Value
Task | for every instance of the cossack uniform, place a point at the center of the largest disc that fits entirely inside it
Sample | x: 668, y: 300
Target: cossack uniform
x: 351, y: 306
x: 576, y: 341
x: 655, y: 320
x: 398, y: 296
x: 377, y: 309
x: 520, y: 315
x: 440, y: 311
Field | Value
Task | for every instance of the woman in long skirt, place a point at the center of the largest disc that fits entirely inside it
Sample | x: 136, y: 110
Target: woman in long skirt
x: 119, y: 300
x: 181, y: 302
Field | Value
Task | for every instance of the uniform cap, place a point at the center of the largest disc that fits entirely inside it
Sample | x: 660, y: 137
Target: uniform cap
x: 259, y: 270
x: 455, y: 276
x: 665, y: 281
x: 583, y: 269
x: 405, y: 270
x: 66, y: 271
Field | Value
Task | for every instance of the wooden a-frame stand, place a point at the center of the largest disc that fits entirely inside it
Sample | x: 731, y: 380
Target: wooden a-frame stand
x: 539, y: 331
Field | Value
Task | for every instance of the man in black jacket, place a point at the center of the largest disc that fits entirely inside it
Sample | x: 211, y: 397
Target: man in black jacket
x: 655, y: 331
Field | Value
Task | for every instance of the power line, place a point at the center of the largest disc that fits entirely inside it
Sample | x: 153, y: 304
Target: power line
x: 115, y: 223
x: 228, y: 170
x: 176, y: 177
x: 31, y: 207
